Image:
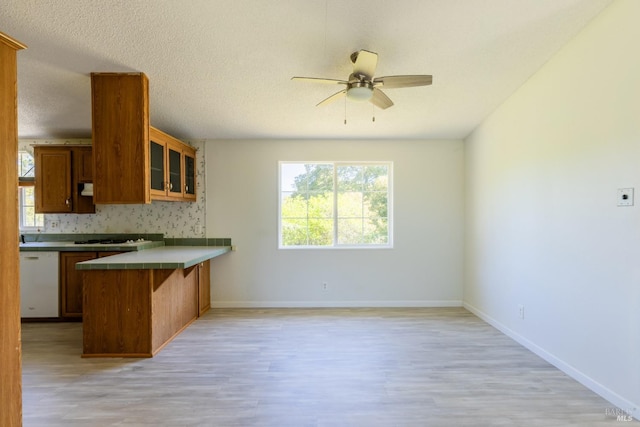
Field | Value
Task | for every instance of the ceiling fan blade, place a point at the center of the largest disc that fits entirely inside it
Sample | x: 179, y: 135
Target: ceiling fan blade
x: 365, y: 63
x: 332, y: 98
x: 380, y: 100
x: 320, y: 80
x: 390, y: 82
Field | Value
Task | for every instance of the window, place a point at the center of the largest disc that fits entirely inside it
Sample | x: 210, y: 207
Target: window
x: 335, y: 205
x: 26, y: 198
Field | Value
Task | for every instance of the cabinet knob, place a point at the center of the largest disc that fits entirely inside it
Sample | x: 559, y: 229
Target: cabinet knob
x: 170, y: 186
x: 68, y: 203
x: 186, y: 188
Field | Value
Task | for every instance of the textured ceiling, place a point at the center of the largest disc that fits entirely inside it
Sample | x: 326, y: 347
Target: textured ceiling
x: 222, y: 68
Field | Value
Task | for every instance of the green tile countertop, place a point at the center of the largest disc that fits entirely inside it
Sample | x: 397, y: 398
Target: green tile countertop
x: 70, y: 246
x: 165, y: 257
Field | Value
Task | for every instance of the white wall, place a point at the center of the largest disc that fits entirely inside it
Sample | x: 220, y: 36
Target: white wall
x: 542, y: 226
x: 423, y: 269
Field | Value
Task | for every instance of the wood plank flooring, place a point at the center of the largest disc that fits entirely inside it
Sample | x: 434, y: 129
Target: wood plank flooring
x: 307, y: 367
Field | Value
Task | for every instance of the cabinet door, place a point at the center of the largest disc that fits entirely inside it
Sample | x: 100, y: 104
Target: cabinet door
x: 189, y: 175
x: 174, y: 167
x: 53, y: 180
x: 157, y: 154
x: 204, y: 287
x: 71, y: 283
x: 120, y: 123
x: 167, y: 155
x: 83, y: 164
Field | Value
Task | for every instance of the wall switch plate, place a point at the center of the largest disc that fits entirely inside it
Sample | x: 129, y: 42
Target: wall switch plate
x: 625, y: 196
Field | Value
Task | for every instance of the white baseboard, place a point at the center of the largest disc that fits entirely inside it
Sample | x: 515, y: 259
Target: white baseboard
x: 615, y: 399
x: 336, y: 304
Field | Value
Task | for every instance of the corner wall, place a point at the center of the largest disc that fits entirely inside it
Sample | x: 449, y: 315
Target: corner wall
x: 542, y: 226
x: 423, y: 269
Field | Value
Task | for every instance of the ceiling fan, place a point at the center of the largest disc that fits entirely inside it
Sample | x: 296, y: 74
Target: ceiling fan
x: 362, y: 86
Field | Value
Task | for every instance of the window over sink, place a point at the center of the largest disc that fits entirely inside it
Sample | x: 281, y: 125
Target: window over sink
x: 29, y: 219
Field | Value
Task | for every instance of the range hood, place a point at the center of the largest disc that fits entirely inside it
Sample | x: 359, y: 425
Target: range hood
x: 87, y: 190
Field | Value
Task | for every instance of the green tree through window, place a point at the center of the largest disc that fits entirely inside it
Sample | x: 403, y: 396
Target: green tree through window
x: 334, y: 204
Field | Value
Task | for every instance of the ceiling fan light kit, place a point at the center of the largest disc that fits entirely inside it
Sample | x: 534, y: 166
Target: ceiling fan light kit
x: 362, y: 86
x: 360, y: 91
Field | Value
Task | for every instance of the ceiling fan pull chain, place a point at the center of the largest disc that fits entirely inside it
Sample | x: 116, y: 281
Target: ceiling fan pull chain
x: 373, y: 113
x: 345, y: 110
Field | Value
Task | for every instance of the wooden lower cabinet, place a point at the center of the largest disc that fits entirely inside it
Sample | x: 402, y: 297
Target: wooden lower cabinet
x: 71, y: 282
x: 204, y: 287
x: 135, y: 313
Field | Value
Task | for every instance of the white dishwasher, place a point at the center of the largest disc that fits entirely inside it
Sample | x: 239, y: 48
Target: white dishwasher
x: 39, y: 284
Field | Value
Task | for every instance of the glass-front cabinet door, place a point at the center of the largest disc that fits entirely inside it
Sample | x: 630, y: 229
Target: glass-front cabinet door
x: 157, y: 167
x: 189, y: 176
x: 172, y: 168
x: 175, y: 171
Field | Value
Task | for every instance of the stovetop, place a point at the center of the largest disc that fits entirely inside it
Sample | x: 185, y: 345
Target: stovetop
x: 107, y: 241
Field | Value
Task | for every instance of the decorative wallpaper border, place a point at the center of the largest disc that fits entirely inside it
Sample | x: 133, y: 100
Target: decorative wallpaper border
x: 172, y: 219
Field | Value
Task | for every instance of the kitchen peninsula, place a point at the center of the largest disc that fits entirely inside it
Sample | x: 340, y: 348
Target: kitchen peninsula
x: 135, y: 303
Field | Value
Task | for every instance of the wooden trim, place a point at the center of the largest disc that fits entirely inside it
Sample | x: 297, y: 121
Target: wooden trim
x: 11, y: 42
x: 10, y: 329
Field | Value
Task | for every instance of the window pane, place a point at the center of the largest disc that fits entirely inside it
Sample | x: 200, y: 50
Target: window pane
x: 288, y: 173
x: 319, y: 177
x: 28, y: 216
x: 29, y: 197
x: 349, y: 231
x: 349, y: 178
x: 350, y: 205
x: 376, y: 178
x: 375, y: 231
x: 293, y: 206
x: 294, y: 232
x: 321, y: 232
x: 320, y: 205
x: 375, y: 205
x: 25, y: 164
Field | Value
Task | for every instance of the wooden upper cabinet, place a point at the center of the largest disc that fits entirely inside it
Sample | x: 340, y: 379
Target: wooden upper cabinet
x: 60, y: 175
x: 172, y: 171
x: 133, y: 162
x: 120, y: 132
x: 53, y: 180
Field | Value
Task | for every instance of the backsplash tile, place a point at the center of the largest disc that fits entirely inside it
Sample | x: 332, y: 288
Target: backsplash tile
x: 173, y: 219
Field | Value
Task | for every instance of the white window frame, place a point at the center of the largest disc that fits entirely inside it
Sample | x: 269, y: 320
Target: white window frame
x: 335, y: 164
x: 22, y: 225
x: 21, y: 189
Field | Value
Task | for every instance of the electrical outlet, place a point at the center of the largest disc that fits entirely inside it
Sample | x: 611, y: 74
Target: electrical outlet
x: 521, y: 311
x: 54, y: 224
x: 625, y: 196
x: 325, y: 286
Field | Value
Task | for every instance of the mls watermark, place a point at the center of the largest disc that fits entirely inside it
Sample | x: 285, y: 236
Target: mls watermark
x: 619, y: 414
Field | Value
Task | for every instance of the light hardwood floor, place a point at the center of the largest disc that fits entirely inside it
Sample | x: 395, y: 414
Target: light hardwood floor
x: 307, y: 367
